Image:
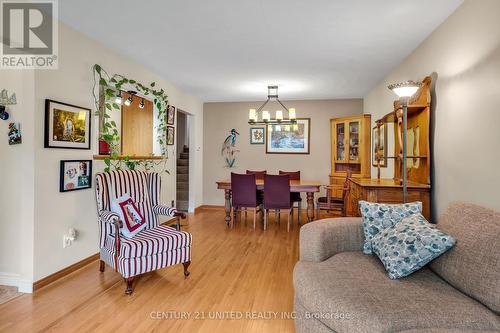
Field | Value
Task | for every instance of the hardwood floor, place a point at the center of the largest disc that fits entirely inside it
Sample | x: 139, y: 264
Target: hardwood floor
x: 239, y: 270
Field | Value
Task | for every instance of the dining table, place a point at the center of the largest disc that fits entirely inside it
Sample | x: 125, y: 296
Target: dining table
x: 306, y: 186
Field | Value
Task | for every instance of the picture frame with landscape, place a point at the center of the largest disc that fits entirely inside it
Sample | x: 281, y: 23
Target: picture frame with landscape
x: 289, y: 138
x: 67, y: 126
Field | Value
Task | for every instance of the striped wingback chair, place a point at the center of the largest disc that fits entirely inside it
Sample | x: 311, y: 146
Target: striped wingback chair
x: 156, y: 246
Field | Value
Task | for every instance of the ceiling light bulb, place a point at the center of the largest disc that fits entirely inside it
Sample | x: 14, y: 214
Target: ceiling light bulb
x: 128, y: 102
x: 118, y: 98
x: 291, y: 114
x: 252, y: 114
x: 279, y: 115
x: 141, y: 104
x: 405, y: 89
x: 266, y: 116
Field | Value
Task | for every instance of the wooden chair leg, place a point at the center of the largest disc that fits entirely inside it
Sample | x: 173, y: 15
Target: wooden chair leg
x: 130, y: 285
x: 186, y: 265
x: 101, y: 266
x: 266, y: 218
x: 232, y: 217
x: 246, y: 214
x: 288, y: 221
x: 254, y: 217
x: 300, y: 212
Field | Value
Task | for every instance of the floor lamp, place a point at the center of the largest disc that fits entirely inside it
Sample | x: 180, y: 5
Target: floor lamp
x: 405, y: 90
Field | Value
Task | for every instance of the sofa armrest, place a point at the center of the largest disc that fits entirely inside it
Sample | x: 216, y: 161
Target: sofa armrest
x: 322, y: 239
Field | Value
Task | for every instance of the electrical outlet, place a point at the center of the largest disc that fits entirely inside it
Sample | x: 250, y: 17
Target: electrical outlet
x: 66, y: 241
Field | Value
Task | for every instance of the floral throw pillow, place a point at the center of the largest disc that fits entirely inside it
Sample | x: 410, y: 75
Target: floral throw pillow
x: 377, y: 216
x: 409, y: 245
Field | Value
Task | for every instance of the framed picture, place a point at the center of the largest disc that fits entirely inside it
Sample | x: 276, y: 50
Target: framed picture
x: 289, y: 139
x: 383, y: 145
x: 257, y: 135
x: 170, y: 135
x: 15, y: 137
x: 170, y: 114
x: 67, y: 126
x: 75, y: 175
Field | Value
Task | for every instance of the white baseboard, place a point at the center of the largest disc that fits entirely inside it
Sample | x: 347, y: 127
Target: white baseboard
x: 23, y: 285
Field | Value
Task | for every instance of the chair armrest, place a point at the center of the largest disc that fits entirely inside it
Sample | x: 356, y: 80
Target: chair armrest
x: 111, y: 218
x: 108, y: 216
x: 168, y: 211
x: 322, y: 239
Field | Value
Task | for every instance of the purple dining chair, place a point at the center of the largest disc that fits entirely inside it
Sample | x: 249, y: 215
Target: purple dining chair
x: 277, y: 196
x: 244, y: 190
x: 295, y: 196
x: 258, y: 174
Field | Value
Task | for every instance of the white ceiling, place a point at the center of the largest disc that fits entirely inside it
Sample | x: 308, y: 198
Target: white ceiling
x: 229, y: 50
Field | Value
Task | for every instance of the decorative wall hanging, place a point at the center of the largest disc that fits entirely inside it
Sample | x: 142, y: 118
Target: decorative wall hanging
x: 4, y: 101
x: 111, y: 88
x: 257, y: 135
x: 67, y: 126
x: 75, y: 175
x: 170, y: 135
x: 379, y: 155
x: 170, y: 114
x: 289, y: 139
x: 15, y: 137
x: 228, y: 151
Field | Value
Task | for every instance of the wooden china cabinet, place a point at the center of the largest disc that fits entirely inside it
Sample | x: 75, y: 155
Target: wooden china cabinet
x: 350, y: 142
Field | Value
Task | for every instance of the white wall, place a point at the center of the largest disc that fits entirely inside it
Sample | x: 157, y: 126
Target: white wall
x: 220, y: 118
x: 465, y: 53
x: 32, y: 171
x: 16, y: 184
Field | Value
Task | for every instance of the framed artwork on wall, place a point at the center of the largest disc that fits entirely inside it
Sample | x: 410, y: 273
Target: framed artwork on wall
x: 383, y: 145
x: 170, y: 114
x: 67, y: 126
x: 75, y: 175
x: 257, y: 135
x: 170, y: 135
x: 14, y: 134
x: 289, y: 139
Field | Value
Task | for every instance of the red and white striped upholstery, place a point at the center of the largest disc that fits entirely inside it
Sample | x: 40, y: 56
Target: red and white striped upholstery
x: 155, y: 247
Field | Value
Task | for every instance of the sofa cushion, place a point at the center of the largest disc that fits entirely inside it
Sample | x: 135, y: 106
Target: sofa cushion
x: 377, y: 216
x: 351, y: 292
x: 473, y: 265
x: 409, y: 245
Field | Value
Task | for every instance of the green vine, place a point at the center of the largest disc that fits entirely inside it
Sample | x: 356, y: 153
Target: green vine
x: 109, y: 87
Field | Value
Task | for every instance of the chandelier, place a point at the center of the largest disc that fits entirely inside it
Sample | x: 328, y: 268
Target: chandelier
x: 265, y: 117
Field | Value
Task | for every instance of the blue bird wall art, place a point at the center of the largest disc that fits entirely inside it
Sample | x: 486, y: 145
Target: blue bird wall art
x: 228, y: 151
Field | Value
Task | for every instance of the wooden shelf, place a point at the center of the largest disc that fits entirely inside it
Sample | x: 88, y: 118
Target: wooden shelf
x: 412, y: 109
x: 121, y: 157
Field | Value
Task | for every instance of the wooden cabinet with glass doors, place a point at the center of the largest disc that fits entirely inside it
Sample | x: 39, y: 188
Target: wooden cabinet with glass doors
x: 350, y: 142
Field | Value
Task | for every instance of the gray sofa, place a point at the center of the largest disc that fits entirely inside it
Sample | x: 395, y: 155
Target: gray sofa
x: 340, y: 289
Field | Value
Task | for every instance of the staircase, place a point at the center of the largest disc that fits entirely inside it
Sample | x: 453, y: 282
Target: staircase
x: 182, y: 199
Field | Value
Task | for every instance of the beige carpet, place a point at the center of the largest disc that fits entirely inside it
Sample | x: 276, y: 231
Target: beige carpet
x: 7, y: 293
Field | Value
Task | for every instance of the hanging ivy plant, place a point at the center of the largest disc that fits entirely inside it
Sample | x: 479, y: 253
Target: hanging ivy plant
x: 109, y: 88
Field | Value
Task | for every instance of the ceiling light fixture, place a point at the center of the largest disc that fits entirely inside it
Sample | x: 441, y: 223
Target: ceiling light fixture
x: 272, y: 94
x: 141, y: 104
x: 130, y: 98
x: 118, y: 98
